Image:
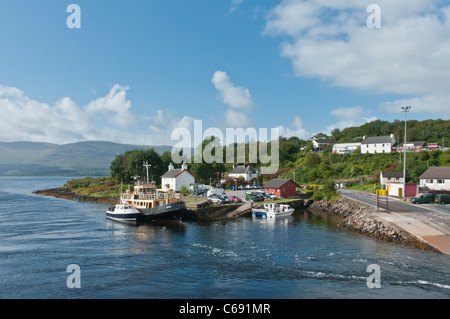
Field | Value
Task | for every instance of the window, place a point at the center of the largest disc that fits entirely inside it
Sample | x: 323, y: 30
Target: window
x: 440, y: 181
x: 429, y: 181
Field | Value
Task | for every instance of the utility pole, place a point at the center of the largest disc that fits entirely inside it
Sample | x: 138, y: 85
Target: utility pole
x: 147, y: 165
x: 406, y: 110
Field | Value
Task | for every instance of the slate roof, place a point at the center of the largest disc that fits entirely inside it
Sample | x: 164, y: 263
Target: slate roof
x: 242, y: 169
x: 391, y: 174
x: 173, y: 173
x: 415, y: 143
x: 377, y: 140
x: 436, y: 172
x: 277, y: 183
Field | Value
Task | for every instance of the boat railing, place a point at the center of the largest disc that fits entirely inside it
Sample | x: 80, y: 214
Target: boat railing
x: 153, y: 196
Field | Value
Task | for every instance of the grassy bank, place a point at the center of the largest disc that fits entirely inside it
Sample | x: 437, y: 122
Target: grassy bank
x: 94, y: 187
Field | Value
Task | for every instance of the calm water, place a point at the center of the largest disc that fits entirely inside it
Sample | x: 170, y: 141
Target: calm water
x: 304, y: 256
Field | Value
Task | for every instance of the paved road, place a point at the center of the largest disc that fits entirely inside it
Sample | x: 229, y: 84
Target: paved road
x: 429, y: 222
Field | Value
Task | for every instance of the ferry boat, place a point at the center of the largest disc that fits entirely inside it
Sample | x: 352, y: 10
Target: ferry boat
x: 272, y: 210
x: 123, y: 212
x: 156, y: 204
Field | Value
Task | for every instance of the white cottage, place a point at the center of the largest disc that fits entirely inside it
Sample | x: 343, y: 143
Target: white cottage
x: 176, y: 178
x: 436, y: 178
x: 246, y: 171
x: 377, y: 144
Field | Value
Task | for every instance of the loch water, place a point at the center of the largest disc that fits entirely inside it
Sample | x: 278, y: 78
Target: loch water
x: 306, y: 255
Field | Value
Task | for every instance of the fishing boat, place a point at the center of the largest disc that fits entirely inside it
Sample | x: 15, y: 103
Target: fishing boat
x: 272, y: 210
x: 156, y: 204
x: 123, y: 212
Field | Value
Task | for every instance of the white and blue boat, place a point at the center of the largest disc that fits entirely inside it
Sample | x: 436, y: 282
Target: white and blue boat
x: 272, y: 210
x: 123, y: 211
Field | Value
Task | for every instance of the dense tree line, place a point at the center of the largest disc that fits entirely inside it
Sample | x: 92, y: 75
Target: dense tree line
x: 297, y: 158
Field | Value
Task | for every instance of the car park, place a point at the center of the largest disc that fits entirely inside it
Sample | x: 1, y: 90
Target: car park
x: 442, y: 198
x: 423, y: 199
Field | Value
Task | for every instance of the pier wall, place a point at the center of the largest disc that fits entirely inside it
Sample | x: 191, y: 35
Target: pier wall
x: 361, y: 218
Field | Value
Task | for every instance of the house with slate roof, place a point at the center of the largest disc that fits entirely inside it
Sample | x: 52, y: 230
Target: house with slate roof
x: 391, y: 177
x: 436, y: 178
x: 377, y: 144
x: 176, y: 178
x: 246, y: 171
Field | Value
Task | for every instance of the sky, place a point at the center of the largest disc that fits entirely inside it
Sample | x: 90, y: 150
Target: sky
x: 134, y: 71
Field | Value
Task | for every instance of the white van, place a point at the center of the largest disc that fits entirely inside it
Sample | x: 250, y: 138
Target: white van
x: 216, y: 191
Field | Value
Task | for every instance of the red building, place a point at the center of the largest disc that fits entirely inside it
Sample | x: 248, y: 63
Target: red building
x: 282, y: 188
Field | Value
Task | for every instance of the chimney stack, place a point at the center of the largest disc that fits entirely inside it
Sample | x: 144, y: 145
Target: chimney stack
x: 170, y: 167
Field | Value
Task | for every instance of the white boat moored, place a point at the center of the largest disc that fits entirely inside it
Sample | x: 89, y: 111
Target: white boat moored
x: 272, y: 210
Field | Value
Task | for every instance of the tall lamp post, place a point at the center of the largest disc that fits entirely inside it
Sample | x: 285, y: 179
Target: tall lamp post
x: 406, y: 110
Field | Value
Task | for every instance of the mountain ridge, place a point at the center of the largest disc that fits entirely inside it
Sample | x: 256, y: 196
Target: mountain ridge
x: 84, y: 158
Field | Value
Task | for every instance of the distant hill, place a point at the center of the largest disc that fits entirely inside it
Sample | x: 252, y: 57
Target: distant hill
x: 90, y: 158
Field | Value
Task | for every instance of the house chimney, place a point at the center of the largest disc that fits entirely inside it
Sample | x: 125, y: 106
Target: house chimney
x: 392, y: 136
x: 184, y: 166
x: 364, y: 137
x: 170, y: 167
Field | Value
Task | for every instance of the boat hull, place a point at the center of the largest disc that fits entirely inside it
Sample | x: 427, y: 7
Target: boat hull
x: 124, y: 217
x: 173, y: 212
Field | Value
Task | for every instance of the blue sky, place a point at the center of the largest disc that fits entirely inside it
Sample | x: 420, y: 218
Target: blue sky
x: 138, y: 69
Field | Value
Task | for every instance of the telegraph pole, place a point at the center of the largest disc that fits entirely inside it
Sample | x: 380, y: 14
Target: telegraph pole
x: 406, y: 110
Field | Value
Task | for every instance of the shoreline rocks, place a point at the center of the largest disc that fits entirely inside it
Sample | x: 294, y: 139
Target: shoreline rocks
x: 67, y: 193
x: 362, y: 219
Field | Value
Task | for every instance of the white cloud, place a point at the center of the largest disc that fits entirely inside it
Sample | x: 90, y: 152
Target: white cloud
x: 329, y: 40
x: 350, y: 116
x: 295, y: 128
x: 234, y: 5
x: 238, y: 100
x: 107, y: 118
x: 234, y: 96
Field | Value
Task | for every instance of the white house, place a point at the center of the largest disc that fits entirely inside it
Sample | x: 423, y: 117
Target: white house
x: 391, y: 177
x: 345, y: 148
x: 246, y: 171
x: 176, y: 178
x: 377, y: 144
x: 436, y: 178
x: 320, y: 144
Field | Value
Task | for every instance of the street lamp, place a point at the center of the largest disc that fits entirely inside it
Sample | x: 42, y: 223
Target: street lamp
x: 406, y: 110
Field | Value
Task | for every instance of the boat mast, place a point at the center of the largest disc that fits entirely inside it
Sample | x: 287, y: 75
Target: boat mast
x: 147, y: 165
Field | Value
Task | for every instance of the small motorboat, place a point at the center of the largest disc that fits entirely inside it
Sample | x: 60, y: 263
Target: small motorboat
x: 272, y: 210
x: 123, y: 211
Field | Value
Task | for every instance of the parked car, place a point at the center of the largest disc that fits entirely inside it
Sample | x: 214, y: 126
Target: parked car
x: 241, y: 187
x: 423, y: 198
x: 225, y: 199
x: 256, y: 196
x: 248, y: 186
x: 255, y: 186
x: 200, y: 192
x: 216, y: 199
x: 235, y: 199
x: 442, y: 198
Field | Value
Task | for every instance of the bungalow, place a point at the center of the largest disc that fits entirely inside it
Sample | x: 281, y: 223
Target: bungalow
x: 246, y: 171
x: 345, y: 148
x: 282, y: 188
x: 176, y: 178
x: 436, y: 178
x: 377, y: 144
x: 390, y: 177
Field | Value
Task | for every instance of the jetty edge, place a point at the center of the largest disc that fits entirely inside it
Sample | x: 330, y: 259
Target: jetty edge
x: 363, y: 219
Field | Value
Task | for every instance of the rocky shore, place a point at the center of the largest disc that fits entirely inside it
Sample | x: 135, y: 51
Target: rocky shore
x: 361, y: 218
x: 67, y: 193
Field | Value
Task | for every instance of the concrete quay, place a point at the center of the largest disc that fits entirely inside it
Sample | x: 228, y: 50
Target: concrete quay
x: 430, y: 223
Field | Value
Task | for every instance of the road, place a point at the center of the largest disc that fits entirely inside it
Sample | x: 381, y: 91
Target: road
x: 429, y: 222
